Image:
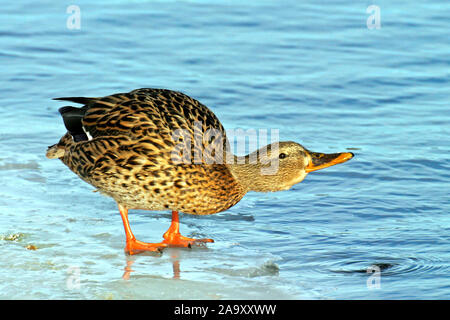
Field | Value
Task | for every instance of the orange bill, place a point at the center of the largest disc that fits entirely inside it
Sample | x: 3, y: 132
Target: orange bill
x: 322, y: 160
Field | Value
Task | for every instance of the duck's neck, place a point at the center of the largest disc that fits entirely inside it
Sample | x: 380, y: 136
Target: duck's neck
x: 250, y: 174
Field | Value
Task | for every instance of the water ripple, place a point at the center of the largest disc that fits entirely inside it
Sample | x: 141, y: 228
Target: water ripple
x: 392, y: 267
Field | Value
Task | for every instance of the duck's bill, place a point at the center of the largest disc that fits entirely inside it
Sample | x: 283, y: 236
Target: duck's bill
x: 322, y: 160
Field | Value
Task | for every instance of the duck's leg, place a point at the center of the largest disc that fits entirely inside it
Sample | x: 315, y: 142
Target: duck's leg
x: 173, y: 238
x: 134, y: 246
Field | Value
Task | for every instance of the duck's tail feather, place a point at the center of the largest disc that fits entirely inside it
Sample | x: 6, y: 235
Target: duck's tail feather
x: 82, y: 100
x: 55, y: 151
x: 72, y: 118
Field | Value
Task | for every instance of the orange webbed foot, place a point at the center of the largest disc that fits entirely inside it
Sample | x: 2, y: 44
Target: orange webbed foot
x: 135, y: 246
x: 177, y: 240
x: 173, y: 238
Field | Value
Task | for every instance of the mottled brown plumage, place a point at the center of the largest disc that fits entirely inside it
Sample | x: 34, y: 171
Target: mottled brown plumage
x: 134, y: 155
x: 130, y: 155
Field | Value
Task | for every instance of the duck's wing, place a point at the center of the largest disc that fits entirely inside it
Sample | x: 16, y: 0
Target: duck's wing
x: 167, y: 119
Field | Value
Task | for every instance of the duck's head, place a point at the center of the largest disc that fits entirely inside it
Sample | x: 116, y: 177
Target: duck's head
x: 281, y: 165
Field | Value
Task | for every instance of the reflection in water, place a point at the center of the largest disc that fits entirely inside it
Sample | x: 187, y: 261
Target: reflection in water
x: 175, y: 258
x: 128, y: 270
x: 175, y: 263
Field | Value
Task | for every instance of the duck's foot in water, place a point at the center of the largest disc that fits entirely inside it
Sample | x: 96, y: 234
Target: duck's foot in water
x: 173, y: 238
x: 177, y: 240
x: 134, y: 246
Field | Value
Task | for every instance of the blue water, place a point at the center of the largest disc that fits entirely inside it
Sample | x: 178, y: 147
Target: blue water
x: 312, y: 70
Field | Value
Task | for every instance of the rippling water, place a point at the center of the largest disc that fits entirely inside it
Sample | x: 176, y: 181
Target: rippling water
x: 314, y: 71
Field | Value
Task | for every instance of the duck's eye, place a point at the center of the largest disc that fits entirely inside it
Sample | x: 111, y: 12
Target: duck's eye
x: 282, y: 155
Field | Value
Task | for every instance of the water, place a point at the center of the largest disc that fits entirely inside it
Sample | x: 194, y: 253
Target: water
x: 312, y: 70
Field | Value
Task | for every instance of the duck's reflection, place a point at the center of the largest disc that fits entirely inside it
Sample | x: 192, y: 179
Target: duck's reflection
x: 174, y: 257
x: 175, y: 264
x: 128, y: 270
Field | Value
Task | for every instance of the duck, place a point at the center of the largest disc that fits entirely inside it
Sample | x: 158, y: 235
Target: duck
x: 161, y: 150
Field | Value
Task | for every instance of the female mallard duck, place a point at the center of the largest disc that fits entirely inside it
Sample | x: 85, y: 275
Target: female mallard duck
x: 132, y: 147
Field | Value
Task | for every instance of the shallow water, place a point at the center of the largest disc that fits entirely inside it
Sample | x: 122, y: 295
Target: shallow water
x: 313, y: 71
